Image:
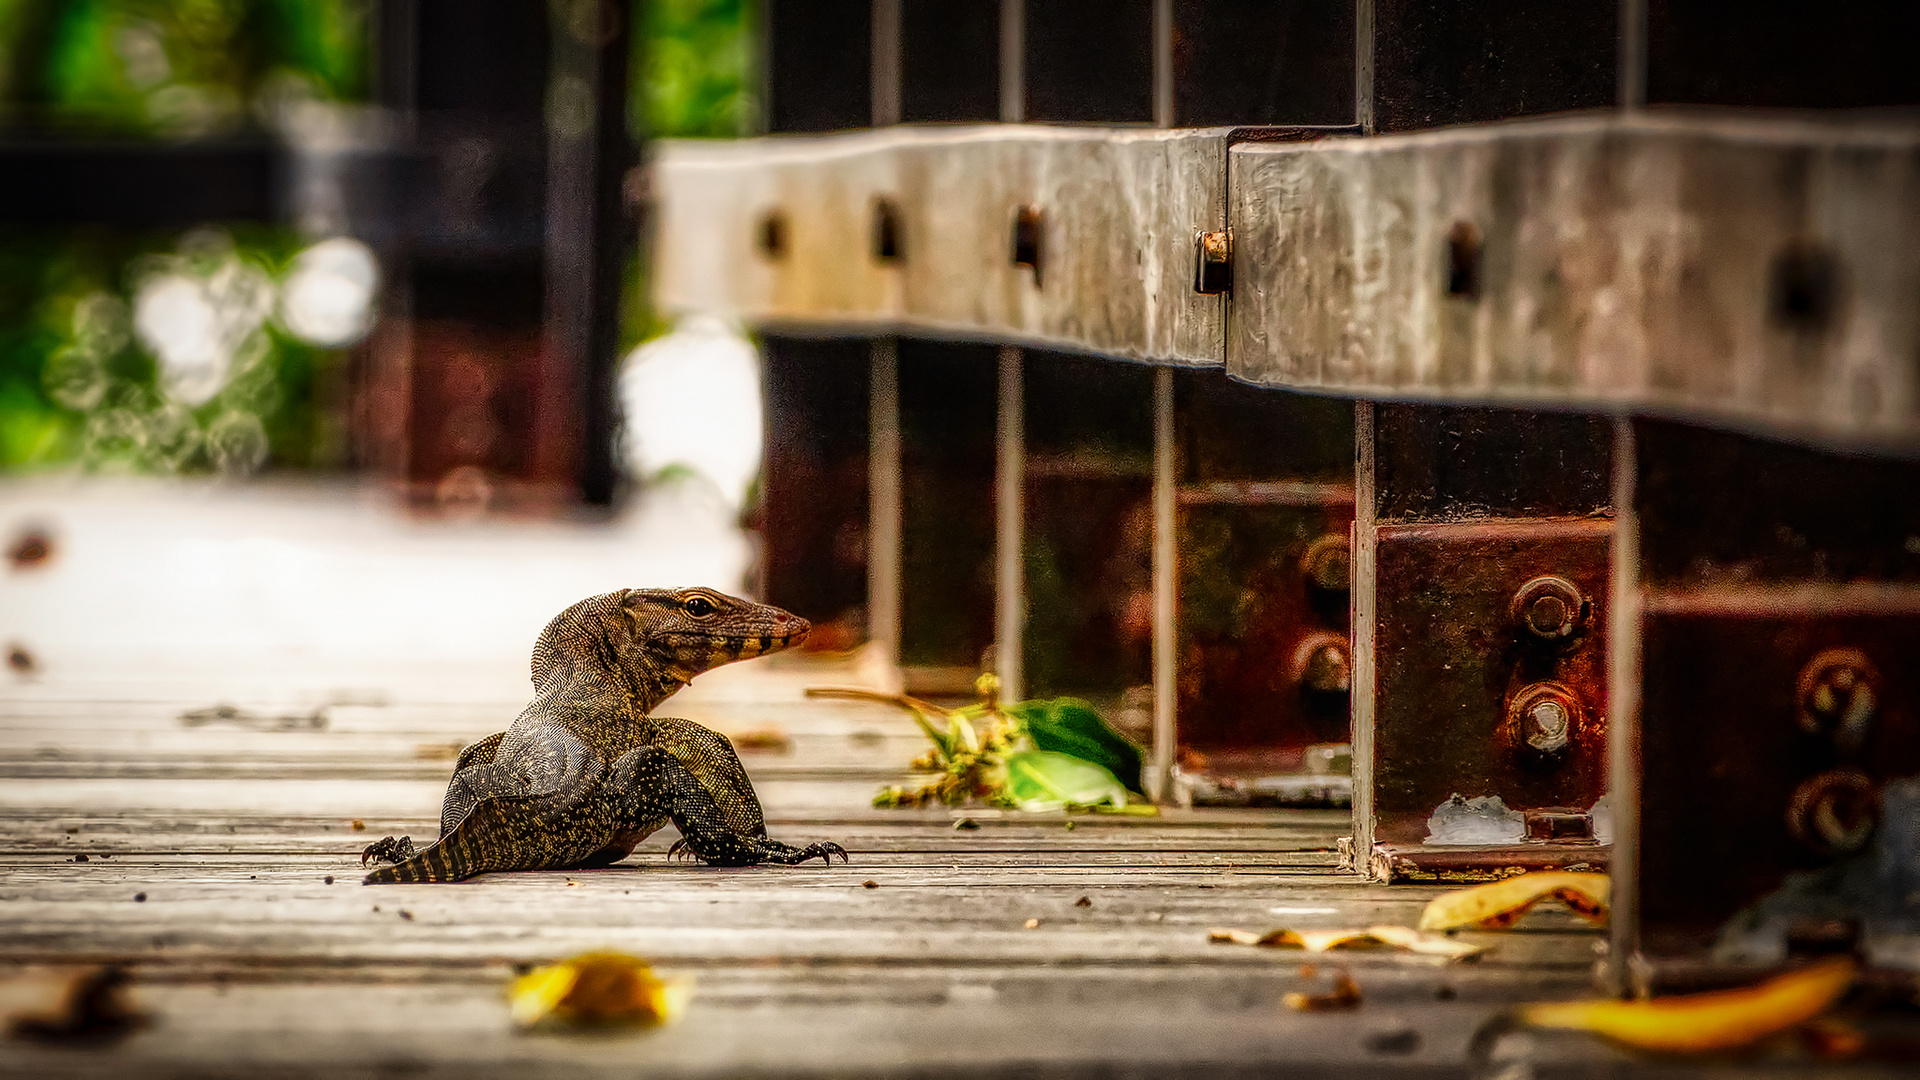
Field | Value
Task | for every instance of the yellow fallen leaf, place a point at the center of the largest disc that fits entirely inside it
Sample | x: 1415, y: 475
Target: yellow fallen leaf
x: 598, y: 989
x: 1500, y: 904
x: 1719, y: 1020
x: 1345, y: 995
x: 1398, y: 937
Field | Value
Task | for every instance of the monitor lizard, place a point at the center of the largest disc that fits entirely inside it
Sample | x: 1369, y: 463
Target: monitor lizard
x: 586, y: 772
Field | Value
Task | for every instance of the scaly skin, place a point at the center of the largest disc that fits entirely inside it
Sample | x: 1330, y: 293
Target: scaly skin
x: 587, y: 771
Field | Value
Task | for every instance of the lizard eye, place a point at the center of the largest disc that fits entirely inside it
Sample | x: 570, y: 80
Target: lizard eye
x: 698, y: 606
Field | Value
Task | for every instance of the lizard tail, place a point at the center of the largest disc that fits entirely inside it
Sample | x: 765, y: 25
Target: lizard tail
x: 450, y: 860
x: 484, y: 840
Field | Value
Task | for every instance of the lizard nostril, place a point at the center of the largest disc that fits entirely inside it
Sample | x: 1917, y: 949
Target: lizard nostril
x: 781, y: 616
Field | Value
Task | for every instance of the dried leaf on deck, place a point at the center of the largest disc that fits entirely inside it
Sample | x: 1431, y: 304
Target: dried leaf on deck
x: 598, y: 990
x: 94, y: 1009
x: 1500, y: 904
x: 765, y: 740
x: 1398, y: 937
x: 1345, y: 995
x: 1718, y: 1020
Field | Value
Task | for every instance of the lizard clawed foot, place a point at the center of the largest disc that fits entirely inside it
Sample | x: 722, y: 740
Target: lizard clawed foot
x: 774, y: 851
x: 390, y: 850
x: 681, y: 850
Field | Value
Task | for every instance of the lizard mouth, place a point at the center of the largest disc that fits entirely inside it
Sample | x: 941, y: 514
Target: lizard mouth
x: 731, y: 647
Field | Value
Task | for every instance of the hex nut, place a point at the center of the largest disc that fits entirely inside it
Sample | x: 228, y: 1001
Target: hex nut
x: 1837, y: 697
x: 1541, y: 719
x: 1212, y: 262
x: 1550, y: 608
x: 1328, y: 563
x: 1323, y: 664
x: 1835, y: 813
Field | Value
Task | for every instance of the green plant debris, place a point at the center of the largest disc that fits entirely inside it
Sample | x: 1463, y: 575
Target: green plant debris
x: 1040, y: 755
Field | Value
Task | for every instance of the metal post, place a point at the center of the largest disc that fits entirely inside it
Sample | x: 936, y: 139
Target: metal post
x: 1623, y: 702
x: 1363, y: 65
x: 883, y: 499
x: 1013, y: 61
x: 885, y: 530
x: 1361, y: 614
x: 1159, y: 779
x: 1010, y: 454
x: 1632, y: 76
x: 886, y: 62
x: 1163, y: 64
x: 1009, y: 511
x: 1165, y: 568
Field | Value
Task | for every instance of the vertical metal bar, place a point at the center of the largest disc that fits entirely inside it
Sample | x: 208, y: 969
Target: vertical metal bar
x: 1009, y: 511
x: 1010, y: 460
x: 1632, y: 75
x: 1163, y: 114
x: 1165, y: 585
x: 588, y: 154
x: 1623, y: 701
x: 883, y: 501
x: 885, y: 66
x: 1366, y: 537
x: 1013, y: 61
x: 885, y: 531
x: 1159, y: 781
x: 1363, y: 65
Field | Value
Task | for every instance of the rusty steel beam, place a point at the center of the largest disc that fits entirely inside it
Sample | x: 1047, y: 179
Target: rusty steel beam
x: 1741, y: 271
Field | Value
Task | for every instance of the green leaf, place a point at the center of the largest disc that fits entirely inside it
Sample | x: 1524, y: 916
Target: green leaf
x: 1045, y: 780
x: 940, y: 740
x: 1072, y: 726
x: 961, y: 733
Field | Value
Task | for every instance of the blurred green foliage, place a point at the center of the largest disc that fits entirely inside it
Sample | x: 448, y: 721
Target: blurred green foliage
x: 65, y: 308
x: 188, y: 68
x: 696, y: 58
x: 177, y: 67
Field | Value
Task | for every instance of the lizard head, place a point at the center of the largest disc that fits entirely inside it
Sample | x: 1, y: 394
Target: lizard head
x: 662, y: 638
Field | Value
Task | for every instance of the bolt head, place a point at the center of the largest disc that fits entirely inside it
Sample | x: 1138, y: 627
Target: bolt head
x: 1542, y: 719
x: 1550, y: 608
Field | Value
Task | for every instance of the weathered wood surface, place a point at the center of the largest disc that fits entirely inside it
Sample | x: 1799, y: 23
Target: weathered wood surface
x: 254, y: 965
x: 1119, y: 209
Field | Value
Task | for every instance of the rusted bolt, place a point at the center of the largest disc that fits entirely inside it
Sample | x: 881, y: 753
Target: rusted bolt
x: 1463, y: 261
x: 1550, y: 608
x: 1212, y: 262
x: 1026, y: 238
x: 886, y: 230
x: 1541, y: 718
x: 772, y: 234
x: 1323, y: 664
x: 1834, y: 813
x: 1329, y: 563
x: 1838, y: 697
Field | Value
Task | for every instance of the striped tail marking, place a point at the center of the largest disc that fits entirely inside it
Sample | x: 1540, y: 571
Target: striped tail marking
x: 467, y: 852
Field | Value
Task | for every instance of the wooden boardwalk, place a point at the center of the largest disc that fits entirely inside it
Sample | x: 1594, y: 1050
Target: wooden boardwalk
x: 220, y: 863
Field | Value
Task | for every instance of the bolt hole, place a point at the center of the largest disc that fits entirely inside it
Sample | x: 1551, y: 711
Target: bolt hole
x: 1804, y: 286
x: 1463, y: 261
x: 773, y: 235
x: 1026, y: 239
x: 886, y: 230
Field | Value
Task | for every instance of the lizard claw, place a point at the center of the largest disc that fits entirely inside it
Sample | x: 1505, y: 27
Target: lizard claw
x: 680, y: 850
x: 387, y: 849
x: 776, y: 852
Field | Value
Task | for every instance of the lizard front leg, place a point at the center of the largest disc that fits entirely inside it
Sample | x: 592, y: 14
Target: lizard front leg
x: 654, y: 783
